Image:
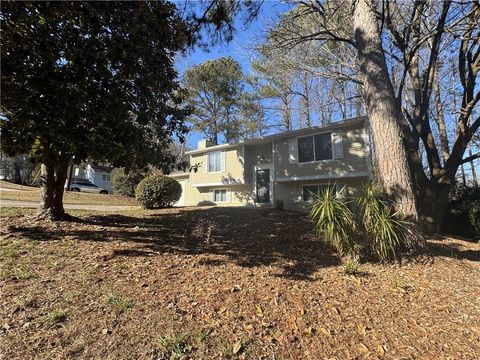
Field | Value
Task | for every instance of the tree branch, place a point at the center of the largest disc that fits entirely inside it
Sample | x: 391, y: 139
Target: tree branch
x: 470, y: 158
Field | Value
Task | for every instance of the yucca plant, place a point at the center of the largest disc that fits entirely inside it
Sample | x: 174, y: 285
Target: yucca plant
x: 367, y: 223
x: 334, y: 222
x: 384, y: 230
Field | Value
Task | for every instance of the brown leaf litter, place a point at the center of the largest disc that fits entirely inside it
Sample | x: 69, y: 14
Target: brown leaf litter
x: 225, y: 283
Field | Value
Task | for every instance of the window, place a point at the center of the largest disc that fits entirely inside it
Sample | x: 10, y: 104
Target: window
x: 305, y: 149
x: 105, y: 177
x: 220, y: 195
x: 215, y: 161
x: 310, y: 192
x: 315, y: 148
x: 323, y: 146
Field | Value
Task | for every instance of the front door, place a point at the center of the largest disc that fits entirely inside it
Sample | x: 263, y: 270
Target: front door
x: 263, y: 185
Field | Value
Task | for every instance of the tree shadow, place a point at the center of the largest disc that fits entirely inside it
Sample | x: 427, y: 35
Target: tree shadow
x: 451, y: 250
x: 244, y: 236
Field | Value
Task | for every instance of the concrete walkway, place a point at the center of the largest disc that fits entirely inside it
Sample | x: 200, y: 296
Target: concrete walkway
x: 34, y: 205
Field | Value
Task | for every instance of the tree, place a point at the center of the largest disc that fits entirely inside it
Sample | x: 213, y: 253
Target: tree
x: 397, y: 58
x: 311, y: 79
x: 273, y: 79
x: 90, y: 80
x: 216, y: 93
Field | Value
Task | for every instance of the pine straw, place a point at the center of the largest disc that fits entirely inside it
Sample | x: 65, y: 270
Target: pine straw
x: 227, y: 282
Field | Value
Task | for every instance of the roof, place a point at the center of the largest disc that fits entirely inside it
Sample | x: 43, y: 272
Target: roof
x: 286, y: 134
x: 98, y: 168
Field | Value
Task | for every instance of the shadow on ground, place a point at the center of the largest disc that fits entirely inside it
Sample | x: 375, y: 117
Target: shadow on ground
x: 454, y: 251
x: 247, y: 237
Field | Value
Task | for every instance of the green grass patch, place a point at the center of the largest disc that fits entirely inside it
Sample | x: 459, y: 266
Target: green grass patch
x: 174, y: 346
x: 32, y: 194
x: 14, y: 211
x: 119, y: 302
x: 55, y: 317
x: 352, y: 267
x: 10, y: 271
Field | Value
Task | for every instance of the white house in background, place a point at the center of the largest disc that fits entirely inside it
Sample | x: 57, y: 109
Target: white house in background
x: 98, y: 175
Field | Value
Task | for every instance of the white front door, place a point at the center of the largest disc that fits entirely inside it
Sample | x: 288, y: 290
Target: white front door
x: 181, y: 201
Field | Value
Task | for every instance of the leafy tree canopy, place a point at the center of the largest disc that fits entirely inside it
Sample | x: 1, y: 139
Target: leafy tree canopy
x: 91, y: 80
x: 216, y: 93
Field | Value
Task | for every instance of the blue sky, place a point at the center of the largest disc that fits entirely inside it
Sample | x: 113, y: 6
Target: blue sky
x: 240, y: 48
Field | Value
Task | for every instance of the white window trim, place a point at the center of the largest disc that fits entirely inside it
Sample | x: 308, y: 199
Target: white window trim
x: 226, y: 195
x: 315, y: 161
x: 221, y: 159
x: 317, y: 184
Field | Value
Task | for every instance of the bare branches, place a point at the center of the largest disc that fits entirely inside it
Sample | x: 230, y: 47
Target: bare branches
x: 470, y: 158
x: 325, y: 18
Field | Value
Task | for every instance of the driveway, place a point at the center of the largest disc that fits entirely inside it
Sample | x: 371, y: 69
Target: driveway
x: 34, y: 205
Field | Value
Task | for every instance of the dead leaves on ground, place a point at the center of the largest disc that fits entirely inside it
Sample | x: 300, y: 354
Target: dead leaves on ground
x: 250, y: 292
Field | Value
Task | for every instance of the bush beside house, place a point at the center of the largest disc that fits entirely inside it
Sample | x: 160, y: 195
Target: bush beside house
x: 125, y: 183
x: 158, y: 191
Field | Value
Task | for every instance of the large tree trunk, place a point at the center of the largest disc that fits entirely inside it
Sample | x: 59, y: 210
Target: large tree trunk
x: 52, y: 188
x: 432, y: 206
x: 383, y: 111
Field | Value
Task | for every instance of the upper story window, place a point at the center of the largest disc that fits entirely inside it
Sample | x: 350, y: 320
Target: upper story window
x: 215, y: 161
x: 315, y: 148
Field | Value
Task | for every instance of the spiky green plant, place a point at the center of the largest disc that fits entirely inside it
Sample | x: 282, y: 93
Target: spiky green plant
x: 334, y: 221
x: 367, y: 223
x: 384, y: 230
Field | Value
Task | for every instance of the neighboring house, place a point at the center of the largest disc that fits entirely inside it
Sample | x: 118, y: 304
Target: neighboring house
x: 289, y: 166
x: 98, y: 175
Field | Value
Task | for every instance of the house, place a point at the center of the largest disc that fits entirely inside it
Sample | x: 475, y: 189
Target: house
x: 98, y: 175
x: 287, y: 167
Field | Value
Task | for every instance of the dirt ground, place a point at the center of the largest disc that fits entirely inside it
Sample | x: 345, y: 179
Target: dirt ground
x: 224, y: 283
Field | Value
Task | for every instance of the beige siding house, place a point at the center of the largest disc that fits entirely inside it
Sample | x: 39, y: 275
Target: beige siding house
x: 288, y: 167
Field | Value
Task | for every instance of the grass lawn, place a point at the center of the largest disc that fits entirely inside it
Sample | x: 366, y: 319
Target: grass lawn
x: 220, y: 283
x: 9, y: 191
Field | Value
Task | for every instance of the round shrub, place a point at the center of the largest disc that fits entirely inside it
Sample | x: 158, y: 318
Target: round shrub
x: 158, y: 191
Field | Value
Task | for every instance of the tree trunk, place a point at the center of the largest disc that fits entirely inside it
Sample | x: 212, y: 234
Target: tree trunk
x: 52, y: 188
x: 432, y: 206
x: 464, y: 179
x: 440, y: 119
x: 472, y: 167
x: 383, y: 111
x: 306, y: 101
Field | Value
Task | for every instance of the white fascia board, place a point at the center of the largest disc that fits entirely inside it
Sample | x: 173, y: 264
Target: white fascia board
x: 218, y: 184
x: 178, y: 175
x: 322, y: 177
x: 210, y: 148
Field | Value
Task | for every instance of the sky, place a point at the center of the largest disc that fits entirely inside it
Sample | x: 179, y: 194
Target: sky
x: 240, y: 48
